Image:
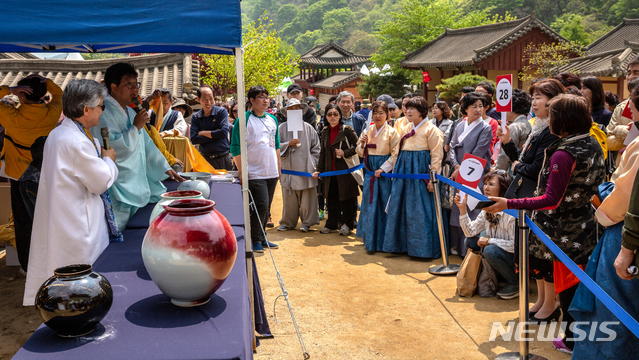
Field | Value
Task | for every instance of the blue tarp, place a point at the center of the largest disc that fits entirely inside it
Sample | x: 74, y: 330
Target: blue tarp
x: 121, y: 26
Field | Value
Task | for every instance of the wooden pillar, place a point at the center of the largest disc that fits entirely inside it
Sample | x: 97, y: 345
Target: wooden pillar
x: 620, y: 88
x: 333, y: 70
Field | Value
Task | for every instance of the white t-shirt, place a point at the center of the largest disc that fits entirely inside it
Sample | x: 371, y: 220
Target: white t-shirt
x: 260, y: 142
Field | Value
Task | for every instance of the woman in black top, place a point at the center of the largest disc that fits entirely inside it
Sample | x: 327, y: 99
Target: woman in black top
x: 593, y: 89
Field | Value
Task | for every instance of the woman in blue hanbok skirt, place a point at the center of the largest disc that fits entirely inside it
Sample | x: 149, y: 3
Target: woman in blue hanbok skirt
x: 379, y: 146
x: 412, y: 224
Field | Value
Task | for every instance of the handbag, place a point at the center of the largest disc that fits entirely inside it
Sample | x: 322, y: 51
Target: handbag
x: 520, y: 188
x: 469, y: 273
x: 352, y: 162
x: 487, y: 283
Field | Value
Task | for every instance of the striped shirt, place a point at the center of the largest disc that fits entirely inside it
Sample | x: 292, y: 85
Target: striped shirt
x: 502, y: 235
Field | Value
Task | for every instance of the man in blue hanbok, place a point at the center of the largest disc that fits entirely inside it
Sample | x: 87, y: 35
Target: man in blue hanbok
x: 140, y: 164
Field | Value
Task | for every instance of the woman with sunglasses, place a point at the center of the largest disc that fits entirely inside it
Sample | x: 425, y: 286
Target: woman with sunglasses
x: 378, y: 146
x: 338, y: 142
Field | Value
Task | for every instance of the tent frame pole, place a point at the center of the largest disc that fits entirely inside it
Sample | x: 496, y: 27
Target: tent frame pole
x: 239, y: 73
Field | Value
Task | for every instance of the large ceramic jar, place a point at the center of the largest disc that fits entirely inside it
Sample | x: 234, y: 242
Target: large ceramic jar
x: 168, y: 197
x: 189, y: 251
x: 196, y: 185
x: 74, y: 300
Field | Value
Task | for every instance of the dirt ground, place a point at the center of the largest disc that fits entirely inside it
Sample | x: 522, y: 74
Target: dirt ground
x: 348, y: 303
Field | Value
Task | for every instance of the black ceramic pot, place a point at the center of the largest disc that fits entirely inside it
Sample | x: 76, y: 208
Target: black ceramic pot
x: 74, y: 300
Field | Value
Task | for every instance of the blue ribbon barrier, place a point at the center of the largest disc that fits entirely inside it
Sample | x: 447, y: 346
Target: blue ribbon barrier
x: 324, y: 174
x: 475, y: 194
x: 401, y: 176
x: 605, y: 299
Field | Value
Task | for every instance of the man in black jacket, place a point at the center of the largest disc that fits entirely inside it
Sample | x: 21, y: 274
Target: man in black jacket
x: 295, y: 91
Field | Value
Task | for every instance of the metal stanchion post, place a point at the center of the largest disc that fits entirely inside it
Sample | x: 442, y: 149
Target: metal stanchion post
x: 524, y: 345
x: 446, y: 268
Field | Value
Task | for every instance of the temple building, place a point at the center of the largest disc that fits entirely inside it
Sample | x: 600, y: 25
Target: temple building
x: 487, y: 50
x: 329, y: 69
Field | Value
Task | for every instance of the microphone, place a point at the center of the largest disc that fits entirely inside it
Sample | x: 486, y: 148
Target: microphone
x: 138, y: 104
x: 104, y: 132
x: 138, y: 108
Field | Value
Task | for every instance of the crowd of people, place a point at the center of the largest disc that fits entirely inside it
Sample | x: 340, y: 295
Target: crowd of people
x: 563, y: 145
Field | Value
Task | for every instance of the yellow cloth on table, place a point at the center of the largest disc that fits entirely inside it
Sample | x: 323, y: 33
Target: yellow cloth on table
x: 8, y: 233
x: 178, y: 147
x: 197, y: 162
x: 157, y: 140
x: 200, y: 164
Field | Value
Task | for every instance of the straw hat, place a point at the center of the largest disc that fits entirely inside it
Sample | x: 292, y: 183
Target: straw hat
x: 181, y: 102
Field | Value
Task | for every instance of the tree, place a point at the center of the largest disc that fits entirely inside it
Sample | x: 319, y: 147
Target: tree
x: 376, y: 85
x: 286, y: 14
x: 571, y: 27
x: 265, y: 61
x: 416, y: 22
x: 336, y: 22
x: 361, y: 43
x: 307, y: 40
x: 451, y: 88
x: 543, y: 60
x: 625, y: 9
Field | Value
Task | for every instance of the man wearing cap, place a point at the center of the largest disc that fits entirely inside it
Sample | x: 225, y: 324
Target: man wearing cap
x: 172, y: 119
x: 356, y: 121
x: 210, y: 129
x: 365, y: 108
x: 294, y: 91
x: 299, y: 152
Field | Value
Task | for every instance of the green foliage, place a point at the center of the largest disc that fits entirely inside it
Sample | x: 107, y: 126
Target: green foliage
x: 376, y: 85
x: 625, y: 9
x: 415, y: 22
x: 570, y: 26
x: 266, y: 61
x: 336, y: 22
x: 595, y: 13
x: 452, y: 87
x: 392, y: 28
x: 286, y: 14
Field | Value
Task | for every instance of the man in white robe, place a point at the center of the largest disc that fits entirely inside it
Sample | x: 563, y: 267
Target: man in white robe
x: 70, y: 224
x: 141, y: 165
x: 301, y: 153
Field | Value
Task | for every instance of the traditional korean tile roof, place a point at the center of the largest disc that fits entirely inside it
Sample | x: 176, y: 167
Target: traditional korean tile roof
x: 315, y: 56
x: 337, y: 80
x: 16, y: 56
x: 610, y: 63
x: 170, y: 71
x: 464, y: 47
x: 610, y: 54
x: 615, y: 39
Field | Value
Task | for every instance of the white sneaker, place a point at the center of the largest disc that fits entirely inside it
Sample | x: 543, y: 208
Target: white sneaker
x: 282, y: 228
x: 304, y: 228
x: 344, y: 231
x: 326, y: 230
